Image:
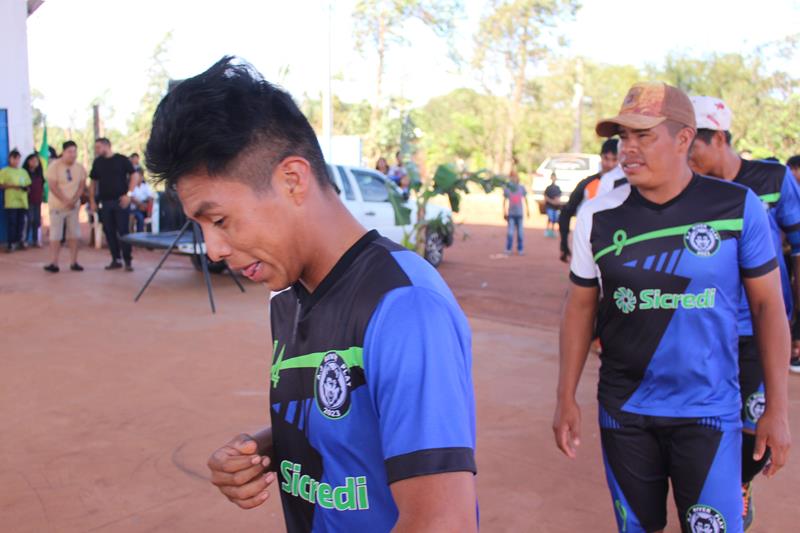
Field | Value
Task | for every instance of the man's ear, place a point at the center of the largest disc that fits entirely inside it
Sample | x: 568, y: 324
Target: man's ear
x: 719, y: 139
x: 685, y: 138
x: 293, y: 177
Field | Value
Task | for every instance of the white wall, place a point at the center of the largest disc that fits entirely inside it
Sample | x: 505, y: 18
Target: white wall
x: 15, y: 92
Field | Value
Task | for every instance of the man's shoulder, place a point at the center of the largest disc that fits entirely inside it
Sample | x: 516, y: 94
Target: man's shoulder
x: 408, y: 277
x: 584, y: 183
x: 763, y: 177
x: 729, y: 189
x: 605, y: 202
x: 588, y: 179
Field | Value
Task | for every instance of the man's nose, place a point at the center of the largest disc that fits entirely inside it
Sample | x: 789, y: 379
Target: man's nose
x: 217, y: 247
x: 628, y: 145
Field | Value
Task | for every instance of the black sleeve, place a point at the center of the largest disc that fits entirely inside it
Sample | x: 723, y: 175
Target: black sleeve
x: 569, y: 210
x: 128, y: 166
x: 427, y: 462
x: 93, y: 172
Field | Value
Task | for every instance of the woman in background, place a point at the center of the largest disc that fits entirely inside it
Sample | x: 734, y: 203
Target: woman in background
x: 382, y: 166
x: 34, y: 216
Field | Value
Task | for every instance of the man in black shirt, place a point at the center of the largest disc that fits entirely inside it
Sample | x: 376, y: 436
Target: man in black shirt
x: 585, y: 190
x: 112, y: 174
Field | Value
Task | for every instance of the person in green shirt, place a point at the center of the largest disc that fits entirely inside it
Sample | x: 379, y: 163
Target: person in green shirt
x: 15, y: 182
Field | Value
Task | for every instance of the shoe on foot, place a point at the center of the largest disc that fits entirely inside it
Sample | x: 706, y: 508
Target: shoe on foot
x: 748, y: 512
x: 114, y: 265
x: 76, y: 267
x: 794, y: 365
x: 520, y: 253
x: 128, y: 268
x: 51, y: 268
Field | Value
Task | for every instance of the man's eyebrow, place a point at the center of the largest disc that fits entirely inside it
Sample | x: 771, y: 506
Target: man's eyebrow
x: 203, y: 207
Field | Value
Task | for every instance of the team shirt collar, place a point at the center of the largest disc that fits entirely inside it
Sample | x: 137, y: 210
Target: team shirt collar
x: 306, y: 299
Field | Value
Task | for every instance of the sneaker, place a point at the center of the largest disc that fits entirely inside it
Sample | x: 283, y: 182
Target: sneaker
x: 520, y: 253
x: 51, y: 268
x: 748, y: 512
x: 114, y: 265
x: 76, y: 268
x: 507, y: 252
x: 794, y: 365
x: 128, y: 268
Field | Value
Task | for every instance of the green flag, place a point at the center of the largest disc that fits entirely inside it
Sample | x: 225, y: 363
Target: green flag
x: 44, y: 158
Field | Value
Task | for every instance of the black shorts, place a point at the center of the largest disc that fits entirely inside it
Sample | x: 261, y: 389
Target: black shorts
x: 751, y: 383
x: 701, y: 456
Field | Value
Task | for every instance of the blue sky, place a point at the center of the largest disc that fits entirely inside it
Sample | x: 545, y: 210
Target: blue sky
x: 81, y: 50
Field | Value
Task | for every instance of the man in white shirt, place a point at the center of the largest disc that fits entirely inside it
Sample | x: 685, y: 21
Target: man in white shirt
x: 141, y: 200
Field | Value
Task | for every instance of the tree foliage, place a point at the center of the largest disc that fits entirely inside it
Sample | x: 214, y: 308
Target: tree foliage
x: 765, y: 103
x: 519, y: 34
x: 380, y: 25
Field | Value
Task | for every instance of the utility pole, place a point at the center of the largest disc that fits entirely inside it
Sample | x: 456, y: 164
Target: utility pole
x: 96, y: 120
x: 577, y: 103
x: 327, y: 95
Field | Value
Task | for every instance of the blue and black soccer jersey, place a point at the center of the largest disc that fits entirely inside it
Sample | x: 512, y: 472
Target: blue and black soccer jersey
x: 670, y: 278
x: 776, y: 187
x: 371, y: 384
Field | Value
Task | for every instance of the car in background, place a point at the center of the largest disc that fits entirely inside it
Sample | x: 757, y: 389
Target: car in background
x: 570, y: 169
x: 363, y: 191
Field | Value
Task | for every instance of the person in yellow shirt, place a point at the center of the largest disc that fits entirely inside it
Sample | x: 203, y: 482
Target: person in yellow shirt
x: 15, y: 182
x: 66, y: 179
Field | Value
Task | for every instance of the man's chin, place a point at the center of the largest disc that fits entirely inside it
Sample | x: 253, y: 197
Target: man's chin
x: 276, y: 285
x: 638, y: 179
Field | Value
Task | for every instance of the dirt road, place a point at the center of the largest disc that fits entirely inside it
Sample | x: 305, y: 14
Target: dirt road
x: 109, y: 409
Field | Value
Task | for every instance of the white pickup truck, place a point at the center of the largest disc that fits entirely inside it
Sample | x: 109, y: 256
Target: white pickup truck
x: 363, y: 191
x: 365, y: 194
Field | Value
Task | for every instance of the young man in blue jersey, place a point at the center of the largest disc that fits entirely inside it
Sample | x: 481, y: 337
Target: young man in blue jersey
x: 373, y: 425
x: 774, y: 184
x: 660, y: 267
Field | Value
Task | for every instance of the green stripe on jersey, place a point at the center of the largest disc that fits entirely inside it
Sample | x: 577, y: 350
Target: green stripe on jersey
x: 621, y: 239
x: 770, y: 198
x: 354, y: 357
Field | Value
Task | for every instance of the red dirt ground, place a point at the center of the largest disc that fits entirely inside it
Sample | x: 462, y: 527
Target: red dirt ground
x: 110, y: 409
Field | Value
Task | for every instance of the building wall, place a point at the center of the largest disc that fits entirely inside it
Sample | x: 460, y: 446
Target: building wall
x: 15, y: 92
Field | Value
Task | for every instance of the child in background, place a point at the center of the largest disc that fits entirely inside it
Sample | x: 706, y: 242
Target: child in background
x: 552, y: 197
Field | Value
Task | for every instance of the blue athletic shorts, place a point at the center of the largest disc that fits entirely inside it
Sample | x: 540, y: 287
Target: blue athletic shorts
x: 701, y: 456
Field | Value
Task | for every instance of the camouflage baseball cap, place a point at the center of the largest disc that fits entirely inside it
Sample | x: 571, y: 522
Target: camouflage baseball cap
x: 646, y: 106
